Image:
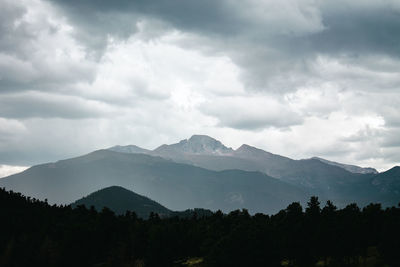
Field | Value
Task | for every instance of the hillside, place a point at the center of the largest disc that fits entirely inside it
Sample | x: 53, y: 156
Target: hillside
x: 316, y: 176
x: 348, y: 167
x: 120, y: 200
x: 388, y: 185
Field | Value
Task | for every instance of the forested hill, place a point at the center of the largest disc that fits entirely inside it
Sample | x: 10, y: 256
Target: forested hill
x: 34, y: 233
x: 119, y: 200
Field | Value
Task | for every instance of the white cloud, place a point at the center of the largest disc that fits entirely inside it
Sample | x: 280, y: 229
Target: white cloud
x: 6, y: 170
x: 10, y: 129
x: 285, y: 76
x: 252, y: 112
x: 45, y: 105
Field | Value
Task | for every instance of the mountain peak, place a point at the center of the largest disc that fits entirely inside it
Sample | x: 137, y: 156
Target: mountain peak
x: 128, y: 149
x: 203, y: 145
x: 199, y: 137
x: 203, y: 139
x: 246, y: 147
x: 247, y: 150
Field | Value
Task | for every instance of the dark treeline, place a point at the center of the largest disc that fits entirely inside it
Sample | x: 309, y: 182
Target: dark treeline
x: 34, y: 233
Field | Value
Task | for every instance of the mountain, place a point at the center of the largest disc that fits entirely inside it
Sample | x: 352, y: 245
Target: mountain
x: 347, y: 167
x: 178, y: 186
x: 330, y: 180
x: 197, y: 145
x: 388, y: 186
x: 201, y: 172
x: 388, y: 180
x: 120, y: 200
x: 129, y: 149
x: 313, y: 175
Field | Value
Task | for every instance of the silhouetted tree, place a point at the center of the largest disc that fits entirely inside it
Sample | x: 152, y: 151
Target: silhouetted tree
x: 33, y: 233
x: 313, y: 208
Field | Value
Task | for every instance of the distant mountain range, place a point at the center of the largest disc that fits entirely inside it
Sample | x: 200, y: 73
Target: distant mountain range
x: 201, y: 172
x: 202, y: 150
x: 178, y: 186
x: 317, y: 176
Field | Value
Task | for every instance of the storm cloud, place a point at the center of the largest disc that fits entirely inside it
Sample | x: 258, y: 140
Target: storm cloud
x: 300, y: 78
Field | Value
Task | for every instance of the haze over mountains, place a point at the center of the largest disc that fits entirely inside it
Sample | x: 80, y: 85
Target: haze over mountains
x: 201, y: 172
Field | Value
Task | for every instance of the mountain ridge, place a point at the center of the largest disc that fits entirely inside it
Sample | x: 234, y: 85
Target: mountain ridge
x: 349, y: 167
x: 205, y: 145
x: 197, y: 144
x: 178, y: 186
x: 129, y: 149
x: 310, y: 173
x: 193, y: 176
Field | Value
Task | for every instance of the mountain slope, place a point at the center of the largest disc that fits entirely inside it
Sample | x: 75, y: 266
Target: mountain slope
x: 203, y: 173
x: 129, y: 149
x: 313, y: 175
x: 347, y: 167
x: 177, y: 186
x: 388, y: 186
x: 120, y: 200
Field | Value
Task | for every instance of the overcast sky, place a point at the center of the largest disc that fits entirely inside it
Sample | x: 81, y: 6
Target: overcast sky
x: 300, y: 78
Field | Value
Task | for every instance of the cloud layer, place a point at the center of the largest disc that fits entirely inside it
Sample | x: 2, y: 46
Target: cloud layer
x: 297, y: 77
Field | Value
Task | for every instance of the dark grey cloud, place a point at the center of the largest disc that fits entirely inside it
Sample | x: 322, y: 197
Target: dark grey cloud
x: 350, y: 35
x: 391, y: 139
x: 34, y: 53
x: 95, y: 21
x: 38, y: 105
x: 357, y: 29
x: 204, y: 16
x: 124, y: 71
x: 12, y: 37
x: 260, y: 123
x: 274, y: 43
